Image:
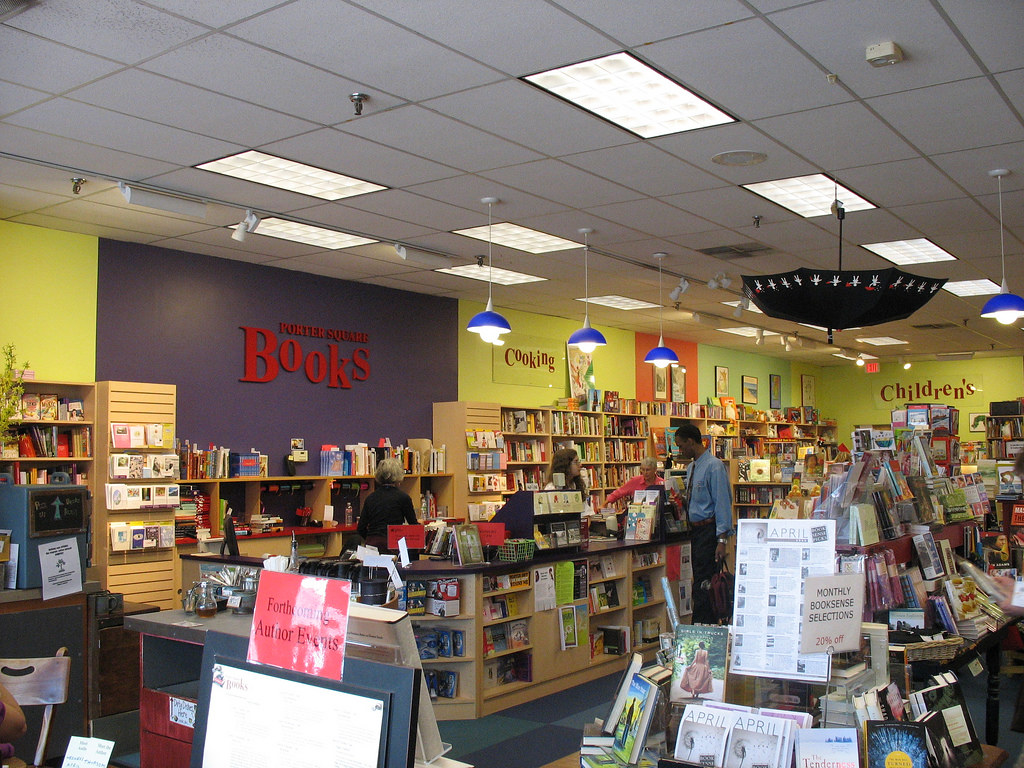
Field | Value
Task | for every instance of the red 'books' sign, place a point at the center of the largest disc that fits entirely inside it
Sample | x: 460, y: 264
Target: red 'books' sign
x: 300, y: 622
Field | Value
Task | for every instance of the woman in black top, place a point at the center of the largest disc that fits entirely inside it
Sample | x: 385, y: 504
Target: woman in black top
x: 387, y: 505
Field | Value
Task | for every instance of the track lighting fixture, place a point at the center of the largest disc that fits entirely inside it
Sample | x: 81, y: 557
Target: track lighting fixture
x: 489, y: 324
x: 358, y: 99
x: 860, y: 359
x: 719, y: 281
x: 679, y: 290
x: 76, y: 185
x: 161, y: 202
x: 905, y: 363
x: 787, y: 343
x: 743, y: 305
x: 586, y: 339
x: 400, y: 250
x: 661, y: 356
x: 245, y: 226
x: 759, y: 337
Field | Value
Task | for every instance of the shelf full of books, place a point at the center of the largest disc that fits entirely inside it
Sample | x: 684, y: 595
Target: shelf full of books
x: 53, y: 431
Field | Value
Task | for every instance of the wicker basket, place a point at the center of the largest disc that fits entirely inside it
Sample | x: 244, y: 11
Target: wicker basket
x: 514, y: 550
x: 937, y: 650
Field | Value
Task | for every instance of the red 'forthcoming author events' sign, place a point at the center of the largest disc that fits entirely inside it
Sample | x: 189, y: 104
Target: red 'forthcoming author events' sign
x: 491, y: 534
x: 415, y: 536
x: 300, y: 623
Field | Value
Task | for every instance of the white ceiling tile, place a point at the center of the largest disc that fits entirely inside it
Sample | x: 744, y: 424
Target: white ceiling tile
x: 355, y: 156
x: 15, y: 97
x: 219, y: 14
x: 121, y: 30
x: 561, y: 183
x: 353, y: 43
x: 945, y: 216
x: 233, y: 67
x: 992, y: 29
x: 659, y: 219
x: 156, y: 98
x: 72, y: 153
x: 933, y: 54
x: 901, y: 182
x: 422, y: 211
x: 467, y: 190
x: 545, y: 37
x: 643, y: 167
x: 45, y: 65
x: 650, y: 20
x: 914, y: 113
x: 746, y: 68
x: 969, y: 168
x: 729, y: 207
x: 61, y: 117
x: 417, y: 130
x: 518, y: 111
x: 838, y: 136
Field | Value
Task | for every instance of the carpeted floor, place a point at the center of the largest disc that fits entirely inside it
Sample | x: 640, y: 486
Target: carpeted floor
x: 540, y: 732
x: 532, y: 734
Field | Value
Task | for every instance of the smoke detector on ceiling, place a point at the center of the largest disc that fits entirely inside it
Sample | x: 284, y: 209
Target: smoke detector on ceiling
x: 883, y: 54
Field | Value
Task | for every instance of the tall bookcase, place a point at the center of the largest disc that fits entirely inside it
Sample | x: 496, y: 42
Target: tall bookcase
x: 610, y: 445
x: 1002, y: 435
x: 148, y: 575
x: 78, y: 434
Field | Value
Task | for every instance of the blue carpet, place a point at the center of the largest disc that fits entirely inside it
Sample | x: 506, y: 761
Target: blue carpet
x: 533, y: 734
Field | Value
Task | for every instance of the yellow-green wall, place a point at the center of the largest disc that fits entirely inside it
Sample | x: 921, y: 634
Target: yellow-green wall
x: 854, y: 398
x: 613, y: 364
x: 48, y: 309
x: 756, y: 364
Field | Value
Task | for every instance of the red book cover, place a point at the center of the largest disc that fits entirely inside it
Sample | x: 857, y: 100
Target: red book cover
x: 63, y: 445
x: 25, y: 447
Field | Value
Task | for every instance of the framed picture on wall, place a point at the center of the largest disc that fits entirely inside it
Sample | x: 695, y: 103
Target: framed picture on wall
x: 660, y: 383
x: 721, y: 381
x: 977, y: 422
x: 750, y: 390
x: 807, y: 390
x: 774, y: 390
x: 678, y: 384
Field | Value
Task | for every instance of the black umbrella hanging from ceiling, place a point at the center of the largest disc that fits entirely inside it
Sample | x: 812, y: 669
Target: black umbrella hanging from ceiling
x: 837, y: 299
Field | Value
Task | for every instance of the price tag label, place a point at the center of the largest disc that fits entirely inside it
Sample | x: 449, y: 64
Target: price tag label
x: 234, y: 601
x: 183, y: 712
x: 976, y: 666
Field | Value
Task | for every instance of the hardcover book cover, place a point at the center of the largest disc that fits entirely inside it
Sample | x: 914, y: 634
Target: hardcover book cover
x: 892, y: 743
x: 835, y: 747
x: 699, y: 663
x: 631, y: 731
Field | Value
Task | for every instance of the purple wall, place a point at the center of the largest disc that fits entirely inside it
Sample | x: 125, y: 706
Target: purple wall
x: 172, y: 317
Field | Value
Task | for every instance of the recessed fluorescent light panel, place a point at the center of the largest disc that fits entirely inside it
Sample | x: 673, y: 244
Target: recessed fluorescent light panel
x: 494, y: 274
x: 750, y: 308
x: 625, y: 91
x: 286, y: 174
x: 520, y: 238
x: 851, y: 356
x: 917, y: 251
x: 747, y: 331
x: 881, y: 341
x: 310, y: 235
x: 971, y: 287
x: 809, y: 196
x: 621, y: 302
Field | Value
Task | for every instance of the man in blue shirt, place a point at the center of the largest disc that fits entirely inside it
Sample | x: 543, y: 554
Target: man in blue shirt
x: 709, y: 505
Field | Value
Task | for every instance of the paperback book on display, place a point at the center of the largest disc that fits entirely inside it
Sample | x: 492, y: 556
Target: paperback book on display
x: 702, y: 735
x: 699, y: 658
x: 634, y: 721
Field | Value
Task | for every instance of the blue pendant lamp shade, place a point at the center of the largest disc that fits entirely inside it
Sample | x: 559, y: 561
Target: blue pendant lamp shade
x: 586, y: 339
x: 1004, y: 307
x: 489, y: 324
x: 661, y: 356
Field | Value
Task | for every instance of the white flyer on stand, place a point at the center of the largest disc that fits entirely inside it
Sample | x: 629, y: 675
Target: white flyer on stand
x: 773, y: 558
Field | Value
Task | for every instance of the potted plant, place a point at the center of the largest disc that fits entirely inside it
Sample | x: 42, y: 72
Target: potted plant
x: 11, y: 390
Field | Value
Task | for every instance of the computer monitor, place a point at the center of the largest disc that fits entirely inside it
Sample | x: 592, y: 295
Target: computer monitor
x: 225, y: 653
x: 230, y: 542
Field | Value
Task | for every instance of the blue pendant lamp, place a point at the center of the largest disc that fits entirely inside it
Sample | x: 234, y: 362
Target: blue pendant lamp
x: 489, y: 324
x: 586, y: 339
x: 661, y: 356
x: 1004, y: 307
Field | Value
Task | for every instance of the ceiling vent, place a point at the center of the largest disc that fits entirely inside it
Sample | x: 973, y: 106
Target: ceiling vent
x: 738, y: 251
x: 934, y: 326
x: 954, y: 355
